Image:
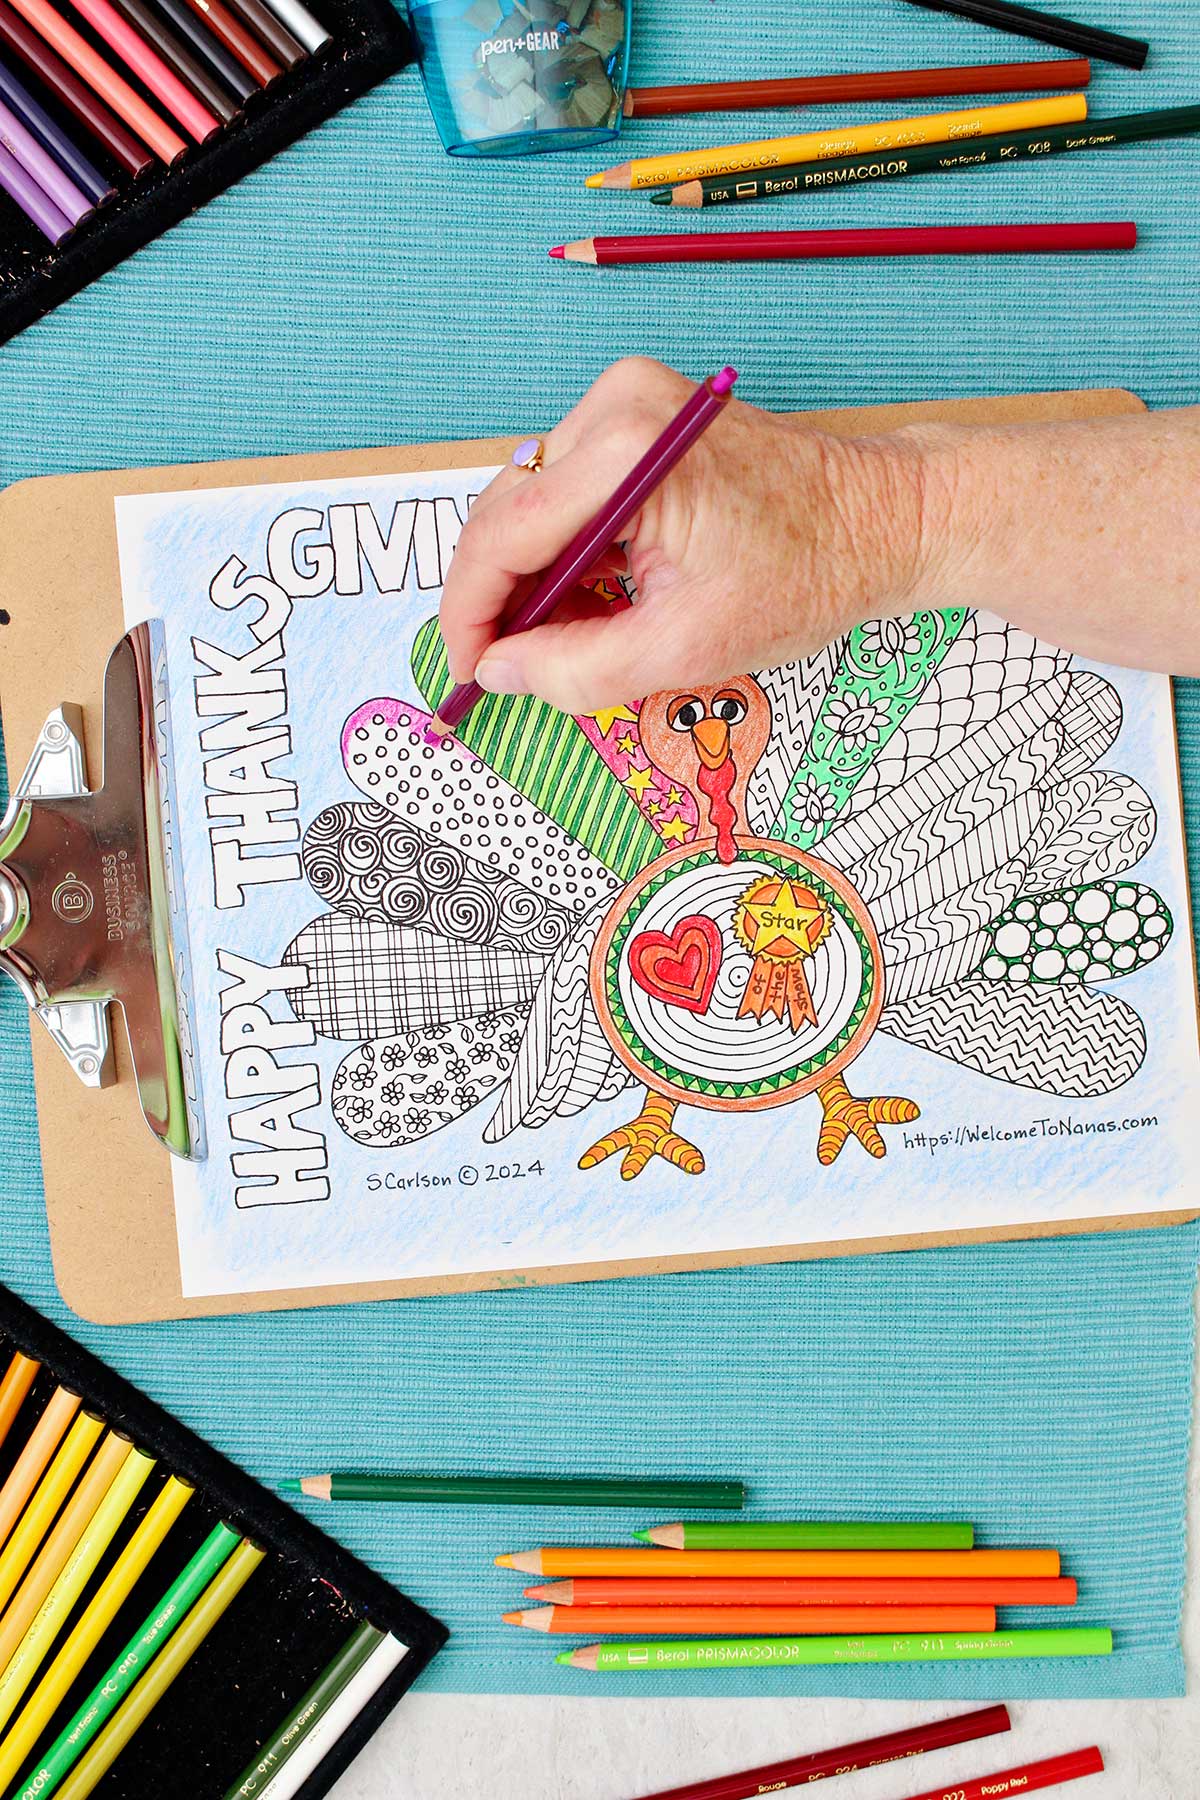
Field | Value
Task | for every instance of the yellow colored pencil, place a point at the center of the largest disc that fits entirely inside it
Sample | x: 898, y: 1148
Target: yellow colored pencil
x: 30, y: 1466
x: 17, y: 1380
x: 77, y: 1515
x: 17, y: 1744
x: 851, y: 140
x: 213, y: 1603
x: 77, y: 1571
x: 48, y: 1497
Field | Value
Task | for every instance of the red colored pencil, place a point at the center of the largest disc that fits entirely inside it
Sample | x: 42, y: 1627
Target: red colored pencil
x: 1053, y: 1771
x: 829, y: 90
x: 111, y: 87
x: 867, y: 1753
x: 22, y: 41
x: 900, y: 240
x: 814, y: 1590
x: 149, y: 68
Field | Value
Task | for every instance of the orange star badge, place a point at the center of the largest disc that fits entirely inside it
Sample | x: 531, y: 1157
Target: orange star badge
x: 780, y: 922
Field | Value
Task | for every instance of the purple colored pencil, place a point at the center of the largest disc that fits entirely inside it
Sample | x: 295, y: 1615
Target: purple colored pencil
x: 54, y: 182
x: 33, y: 201
x: 53, y: 138
x: 579, y: 558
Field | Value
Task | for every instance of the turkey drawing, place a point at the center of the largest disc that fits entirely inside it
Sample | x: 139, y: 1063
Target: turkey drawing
x: 719, y: 895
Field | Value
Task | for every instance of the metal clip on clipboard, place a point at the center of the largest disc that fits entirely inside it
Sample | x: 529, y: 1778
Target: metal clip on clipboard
x: 89, y: 915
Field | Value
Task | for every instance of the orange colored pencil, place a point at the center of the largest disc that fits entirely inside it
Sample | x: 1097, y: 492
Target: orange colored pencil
x: 586, y: 1559
x: 816, y: 1590
x: 19, y: 1377
x: 755, y: 1621
x: 30, y: 1466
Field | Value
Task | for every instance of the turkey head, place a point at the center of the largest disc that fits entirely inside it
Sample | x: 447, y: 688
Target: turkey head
x: 708, y: 739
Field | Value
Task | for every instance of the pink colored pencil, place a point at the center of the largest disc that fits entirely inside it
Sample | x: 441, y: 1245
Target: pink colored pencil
x: 902, y: 240
x: 149, y: 68
x: 111, y: 87
x: 579, y: 558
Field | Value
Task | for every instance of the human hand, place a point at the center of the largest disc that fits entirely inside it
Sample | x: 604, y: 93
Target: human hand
x: 766, y: 541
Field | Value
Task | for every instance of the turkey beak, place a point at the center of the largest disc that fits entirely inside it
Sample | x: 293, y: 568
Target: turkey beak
x: 711, y: 738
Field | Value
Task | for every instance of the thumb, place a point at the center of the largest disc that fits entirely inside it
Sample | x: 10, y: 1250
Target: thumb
x: 580, y: 665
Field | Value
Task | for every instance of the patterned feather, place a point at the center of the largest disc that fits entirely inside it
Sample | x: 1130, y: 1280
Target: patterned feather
x: 552, y: 760
x: 796, y: 692
x: 1097, y: 932
x: 1071, y: 1041
x: 1097, y: 824
x: 403, y: 1089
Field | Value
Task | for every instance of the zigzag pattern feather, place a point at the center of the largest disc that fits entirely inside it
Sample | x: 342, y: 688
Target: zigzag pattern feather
x: 1069, y: 1041
x: 997, y: 841
x: 795, y: 692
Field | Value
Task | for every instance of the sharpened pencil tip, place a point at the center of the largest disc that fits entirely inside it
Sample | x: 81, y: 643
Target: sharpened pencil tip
x: 594, y: 181
x: 435, y: 731
x: 559, y: 251
x: 661, y: 198
x: 289, y: 1484
x: 514, y: 1618
x: 643, y: 1537
x: 564, y: 1656
x: 505, y: 1562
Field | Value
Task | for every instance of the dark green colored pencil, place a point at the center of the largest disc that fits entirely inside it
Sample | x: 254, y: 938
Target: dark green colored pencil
x: 933, y: 159
x: 303, y: 1718
x: 524, y: 1490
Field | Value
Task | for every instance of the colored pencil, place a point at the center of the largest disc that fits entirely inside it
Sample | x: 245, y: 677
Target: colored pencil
x: 33, y: 201
x: 179, y: 59
x: 270, y: 30
x: 809, y: 1534
x: 138, y: 1654
x: 229, y: 31
x: 332, y: 1682
x: 44, y: 1504
x: 321, y: 1736
x: 149, y: 67
x: 53, y: 139
x: 1052, y: 1771
x: 850, y: 140
x: 522, y: 1490
x: 832, y: 90
x: 68, y: 1528
x: 162, y: 1673
x: 809, y: 1652
x: 191, y: 28
x: 31, y: 1465
x: 846, y: 1759
x: 38, y: 1715
x: 891, y: 240
x: 74, y: 95
x: 1000, y: 150
x: 53, y: 180
x: 753, y: 1621
x: 1047, y: 28
x: 22, y: 1371
x: 112, y: 88
x: 579, y: 558
x: 815, y: 1590
x: 77, y: 1571
x: 302, y: 24
x: 587, y: 1559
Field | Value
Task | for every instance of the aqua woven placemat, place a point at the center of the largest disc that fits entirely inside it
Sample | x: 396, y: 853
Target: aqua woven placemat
x: 364, y: 289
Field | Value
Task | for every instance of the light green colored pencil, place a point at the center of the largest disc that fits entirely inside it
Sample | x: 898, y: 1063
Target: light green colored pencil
x: 791, y: 1653
x: 814, y: 1534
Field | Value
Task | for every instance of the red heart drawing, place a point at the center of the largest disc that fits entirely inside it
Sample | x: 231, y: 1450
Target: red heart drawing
x: 678, y: 967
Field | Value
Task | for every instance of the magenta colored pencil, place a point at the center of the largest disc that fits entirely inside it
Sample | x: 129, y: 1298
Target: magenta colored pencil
x: 33, y: 201
x: 904, y: 240
x: 579, y: 558
x: 54, y: 182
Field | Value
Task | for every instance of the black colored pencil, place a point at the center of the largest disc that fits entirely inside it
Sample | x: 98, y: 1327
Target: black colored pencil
x: 994, y: 152
x: 1047, y: 28
x: 208, y: 48
x: 179, y: 59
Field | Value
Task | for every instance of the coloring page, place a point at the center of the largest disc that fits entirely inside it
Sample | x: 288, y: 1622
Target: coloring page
x: 892, y: 940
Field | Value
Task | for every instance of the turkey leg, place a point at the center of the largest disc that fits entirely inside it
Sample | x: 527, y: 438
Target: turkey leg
x: 649, y: 1135
x: 845, y: 1115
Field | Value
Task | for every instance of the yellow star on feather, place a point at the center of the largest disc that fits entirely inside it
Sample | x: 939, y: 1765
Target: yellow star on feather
x: 638, y: 780
x: 784, y: 923
x: 674, y: 797
x: 608, y: 716
x: 627, y: 745
x: 674, y: 831
x: 654, y: 808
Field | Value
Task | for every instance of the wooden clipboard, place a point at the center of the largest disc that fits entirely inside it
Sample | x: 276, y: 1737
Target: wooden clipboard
x: 108, y: 1183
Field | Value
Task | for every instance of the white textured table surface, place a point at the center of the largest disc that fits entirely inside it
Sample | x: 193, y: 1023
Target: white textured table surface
x: 494, y: 1748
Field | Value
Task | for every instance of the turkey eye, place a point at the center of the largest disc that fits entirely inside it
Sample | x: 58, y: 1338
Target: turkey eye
x: 683, y: 713
x: 729, y: 707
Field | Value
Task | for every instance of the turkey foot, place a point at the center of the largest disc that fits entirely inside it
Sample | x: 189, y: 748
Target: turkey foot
x: 846, y: 1115
x: 648, y: 1135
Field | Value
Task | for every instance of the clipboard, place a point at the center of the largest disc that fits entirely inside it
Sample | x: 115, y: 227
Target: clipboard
x: 107, y: 1181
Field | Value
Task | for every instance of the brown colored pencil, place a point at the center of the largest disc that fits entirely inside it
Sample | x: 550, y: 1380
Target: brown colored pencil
x: 753, y: 1621
x: 1041, y: 76
x: 75, y: 95
x: 230, y: 31
x: 813, y: 1590
x: 178, y: 58
x: 270, y: 31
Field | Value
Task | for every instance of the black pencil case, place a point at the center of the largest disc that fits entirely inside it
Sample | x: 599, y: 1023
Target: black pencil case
x: 301, y: 1606
x: 370, y: 42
